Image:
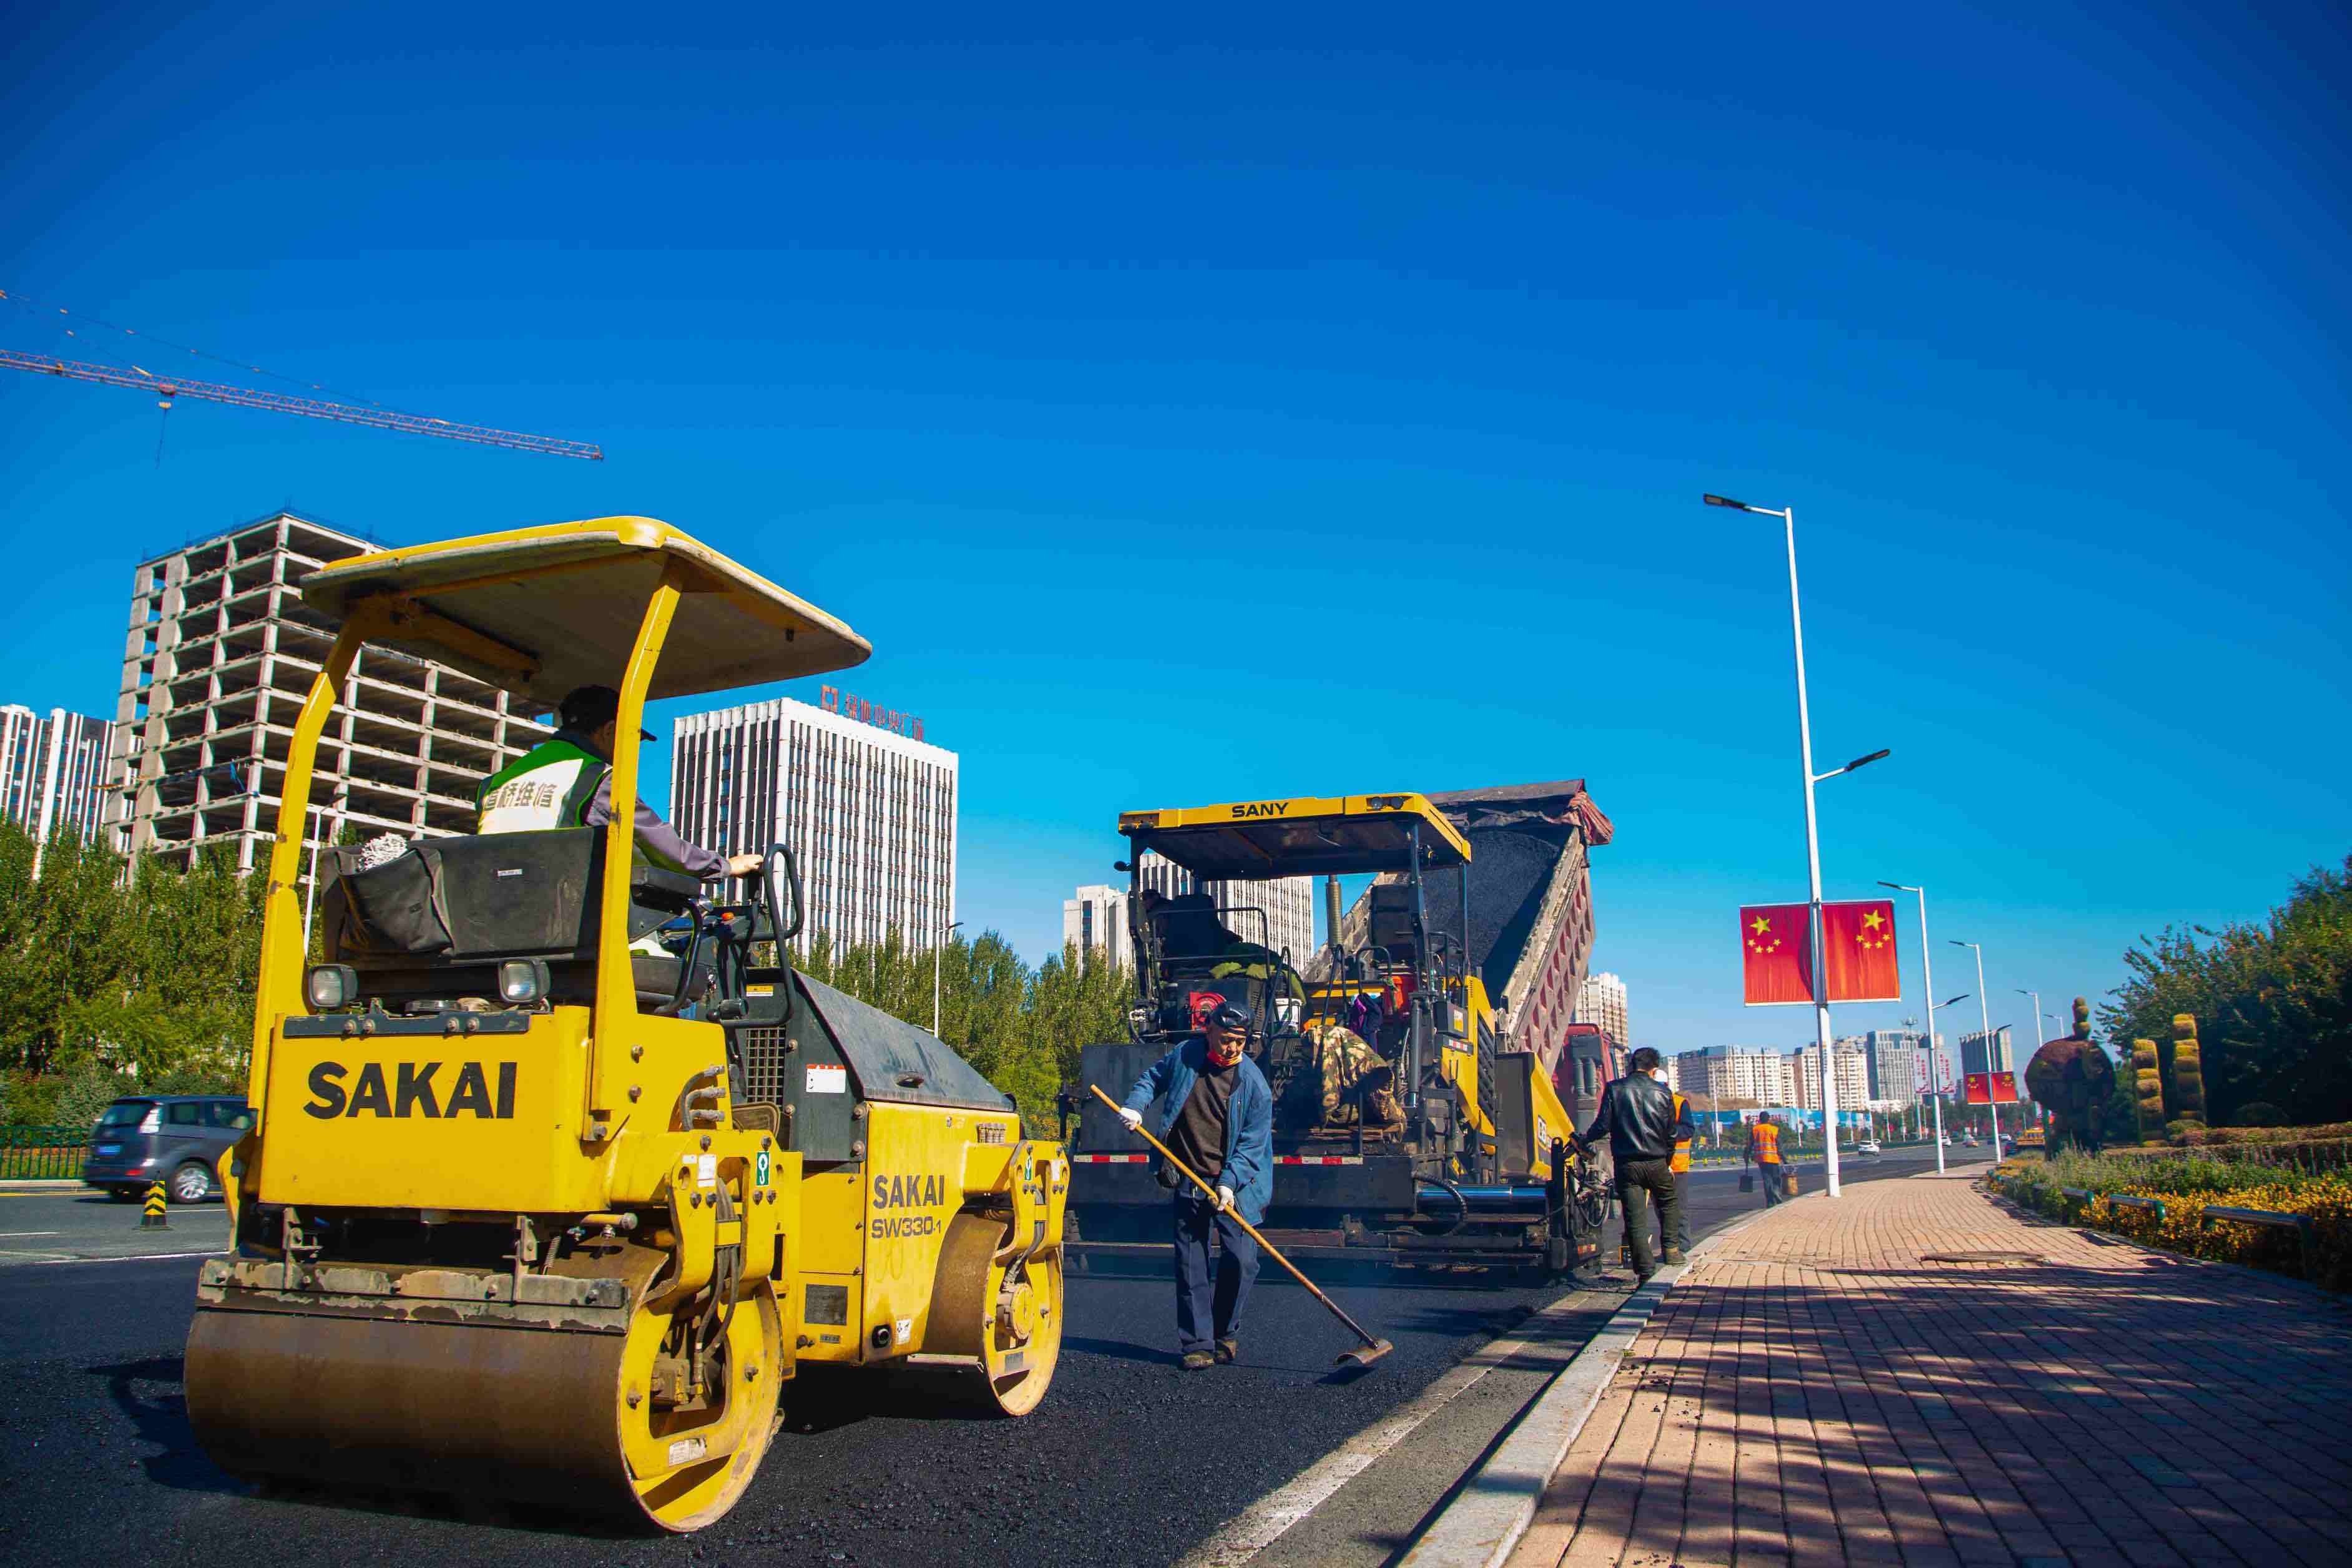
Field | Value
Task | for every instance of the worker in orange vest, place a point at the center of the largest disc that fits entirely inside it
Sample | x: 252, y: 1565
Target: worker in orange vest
x: 1680, y: 1165
x: 1764, y: 1151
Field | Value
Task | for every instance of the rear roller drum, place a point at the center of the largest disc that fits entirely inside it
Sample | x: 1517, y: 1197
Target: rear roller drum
x: 1007, y: 1317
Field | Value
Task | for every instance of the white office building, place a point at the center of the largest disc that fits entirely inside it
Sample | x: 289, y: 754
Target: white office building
x: 1278, y: 913
x: 1897, y: 1071
x: 868, y: 810
x: 1601, y: 1000
x: 1981, y: 1052
x: 1095, y: 922
x: 52, y: 772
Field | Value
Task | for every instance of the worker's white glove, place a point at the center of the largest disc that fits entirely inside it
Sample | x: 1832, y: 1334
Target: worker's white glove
x: 1225, y: 1199
x: 1132, y: 1117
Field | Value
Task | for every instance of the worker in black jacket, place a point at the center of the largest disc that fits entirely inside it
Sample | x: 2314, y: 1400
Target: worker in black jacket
x: 1642, y: 1122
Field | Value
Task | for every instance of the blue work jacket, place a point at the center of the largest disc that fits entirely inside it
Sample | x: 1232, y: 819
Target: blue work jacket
x: 1249, y: 1122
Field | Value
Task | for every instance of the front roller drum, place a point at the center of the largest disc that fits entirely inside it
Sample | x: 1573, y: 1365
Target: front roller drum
x: 535, y: 1415
x: 1006, y: 1316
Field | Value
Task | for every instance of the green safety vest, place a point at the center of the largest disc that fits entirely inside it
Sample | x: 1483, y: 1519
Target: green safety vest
x: 548, y: 787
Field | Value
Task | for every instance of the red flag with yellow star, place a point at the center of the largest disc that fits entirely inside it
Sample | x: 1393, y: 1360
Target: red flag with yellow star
x: 1776, y: 955
x: 1858, y: 951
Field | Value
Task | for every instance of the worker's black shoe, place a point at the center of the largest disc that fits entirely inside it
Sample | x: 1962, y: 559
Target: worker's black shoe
x: 1228, y: 1349
x: 1674, y: 1255
x: 1198, y: 1361
x: 1642, y: 1277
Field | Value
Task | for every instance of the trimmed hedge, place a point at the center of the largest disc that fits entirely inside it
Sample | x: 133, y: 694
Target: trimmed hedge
x: 2186, y: 1186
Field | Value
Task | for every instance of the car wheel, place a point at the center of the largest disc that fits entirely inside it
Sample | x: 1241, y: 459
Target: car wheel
x: 121, y: 1194
x: 191, y: 1183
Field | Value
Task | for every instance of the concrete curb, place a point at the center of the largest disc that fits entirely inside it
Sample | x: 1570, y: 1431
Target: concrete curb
x: 44, y: 1185
x: 1497, y: 1502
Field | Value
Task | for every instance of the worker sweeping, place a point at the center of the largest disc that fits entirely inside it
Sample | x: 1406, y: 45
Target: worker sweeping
x: 1219, y: 1125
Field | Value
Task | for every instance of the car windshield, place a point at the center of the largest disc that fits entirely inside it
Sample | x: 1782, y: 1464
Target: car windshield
x: 125, y: 1112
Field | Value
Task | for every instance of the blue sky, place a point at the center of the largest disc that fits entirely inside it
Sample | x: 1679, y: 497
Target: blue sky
x: 1306, y: 401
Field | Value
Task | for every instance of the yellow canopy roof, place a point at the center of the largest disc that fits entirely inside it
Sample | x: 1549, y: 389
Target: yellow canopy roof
x: 1303, y: 836
x: 541, y: 611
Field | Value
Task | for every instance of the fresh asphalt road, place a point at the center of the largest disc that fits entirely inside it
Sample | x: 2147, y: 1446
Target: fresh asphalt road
x: 1129, y: 1462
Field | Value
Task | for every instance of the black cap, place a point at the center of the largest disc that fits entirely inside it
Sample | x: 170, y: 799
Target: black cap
x: 1230, y: 1016
x: 591, y: 707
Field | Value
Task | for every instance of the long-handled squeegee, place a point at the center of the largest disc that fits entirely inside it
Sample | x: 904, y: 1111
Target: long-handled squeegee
x: 1370, y: 1351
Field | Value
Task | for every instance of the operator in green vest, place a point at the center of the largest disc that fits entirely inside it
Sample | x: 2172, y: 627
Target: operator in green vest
x: 566, y: 781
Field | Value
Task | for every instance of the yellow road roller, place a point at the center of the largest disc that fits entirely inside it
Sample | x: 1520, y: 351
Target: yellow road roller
x: 560, y: 1172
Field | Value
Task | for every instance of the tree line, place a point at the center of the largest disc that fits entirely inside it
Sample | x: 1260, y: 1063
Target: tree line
x: 111, y: 982
x: 2273, y: 1000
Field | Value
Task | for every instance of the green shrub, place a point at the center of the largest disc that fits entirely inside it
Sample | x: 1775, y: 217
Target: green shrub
x: 2188, y: 1184
x: 2260, y: 1113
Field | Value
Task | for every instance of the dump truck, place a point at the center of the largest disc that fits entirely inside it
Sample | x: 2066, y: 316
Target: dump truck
x: 1409, y: 1127
x: 560, y: 1171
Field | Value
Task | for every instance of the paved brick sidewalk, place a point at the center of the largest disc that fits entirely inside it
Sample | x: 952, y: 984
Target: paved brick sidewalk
x: 1813, y: 1392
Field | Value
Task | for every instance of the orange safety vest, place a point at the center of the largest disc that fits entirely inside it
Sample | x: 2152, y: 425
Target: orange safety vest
x: 1681, y: 1162
x: 1764, y: 1142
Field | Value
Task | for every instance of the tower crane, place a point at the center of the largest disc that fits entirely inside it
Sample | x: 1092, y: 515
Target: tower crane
x: 167, y: 388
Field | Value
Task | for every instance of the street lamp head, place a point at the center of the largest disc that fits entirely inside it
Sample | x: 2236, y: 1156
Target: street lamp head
x: 1725, y: 500
x: 1899, y: 886
x: 1866, y: 762
x: 1962, y: 997
x: 1957, y: 942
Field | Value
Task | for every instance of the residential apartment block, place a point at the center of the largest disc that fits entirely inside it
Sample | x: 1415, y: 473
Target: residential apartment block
x: 869, y: 812
x: 52, y: 772
x: 1601, y: 1000
x: 221, y: 653
x: 1851, y: 1064
x: 1751, y: 1073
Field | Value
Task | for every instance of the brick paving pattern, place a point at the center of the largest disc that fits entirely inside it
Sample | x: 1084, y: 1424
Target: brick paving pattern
x: 1813, y: 1392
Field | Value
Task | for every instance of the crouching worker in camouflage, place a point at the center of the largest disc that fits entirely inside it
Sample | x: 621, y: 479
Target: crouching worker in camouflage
x: 1220, y: 1122
x: 1342, y: 1082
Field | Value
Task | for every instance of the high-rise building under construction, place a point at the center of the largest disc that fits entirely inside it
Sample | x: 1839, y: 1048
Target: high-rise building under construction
x: 220, y: 654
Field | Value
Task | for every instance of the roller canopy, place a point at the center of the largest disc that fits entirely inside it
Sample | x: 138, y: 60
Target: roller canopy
x: 541, y: 611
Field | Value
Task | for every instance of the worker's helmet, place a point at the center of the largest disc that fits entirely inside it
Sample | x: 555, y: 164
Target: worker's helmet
x: 1230, y: 1016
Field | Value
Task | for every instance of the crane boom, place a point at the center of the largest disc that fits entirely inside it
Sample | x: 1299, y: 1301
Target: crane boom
x: 280, y: 402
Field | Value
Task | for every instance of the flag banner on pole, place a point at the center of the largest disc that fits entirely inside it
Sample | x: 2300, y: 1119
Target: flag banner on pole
x: 1858, y: 951
x: 1992, y: 1088
x: 1776, y: 955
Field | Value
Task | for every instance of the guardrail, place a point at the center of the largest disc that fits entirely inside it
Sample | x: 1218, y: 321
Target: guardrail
x: 32, y: 1153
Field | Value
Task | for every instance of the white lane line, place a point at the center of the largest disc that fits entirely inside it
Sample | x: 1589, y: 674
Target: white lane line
x: 1265, y: 1520
x: 40, y: 1259
x: 24, y: 1234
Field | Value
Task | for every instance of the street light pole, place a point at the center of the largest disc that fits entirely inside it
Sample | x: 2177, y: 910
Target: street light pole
x: 1984, y: 1013
x: 1927, y: 995
x: 937, y: 948
x: 1788, y: 516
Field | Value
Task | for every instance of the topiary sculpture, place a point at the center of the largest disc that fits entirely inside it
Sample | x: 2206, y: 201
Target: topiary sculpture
x: 2187, y: 1070
x: 2148, y: 1087
x: 2073, y: 1079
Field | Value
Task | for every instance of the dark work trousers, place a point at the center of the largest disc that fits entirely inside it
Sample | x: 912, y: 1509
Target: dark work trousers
x: 1207, y: 1312
x: 1638, y: 1182
x: 1771, y: 1175
x: 1673, y: 1233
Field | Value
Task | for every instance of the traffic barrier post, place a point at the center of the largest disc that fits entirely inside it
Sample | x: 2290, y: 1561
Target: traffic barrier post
x: 152, y: 1216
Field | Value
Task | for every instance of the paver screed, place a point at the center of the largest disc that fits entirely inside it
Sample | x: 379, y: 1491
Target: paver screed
x: 1813, y: 1392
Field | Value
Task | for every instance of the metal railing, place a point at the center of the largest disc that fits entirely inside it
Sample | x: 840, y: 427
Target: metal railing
x: 31, y: 1154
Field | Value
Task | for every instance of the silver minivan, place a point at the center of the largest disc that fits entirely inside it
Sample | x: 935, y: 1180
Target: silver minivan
x: 177, y: 1139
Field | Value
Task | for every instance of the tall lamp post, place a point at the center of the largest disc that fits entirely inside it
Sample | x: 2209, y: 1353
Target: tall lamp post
x: 1928, y: 993
x: 937, y: 948
x: 2033, y: 1026
x: 1788, y: 516
x: 1984, y: 1015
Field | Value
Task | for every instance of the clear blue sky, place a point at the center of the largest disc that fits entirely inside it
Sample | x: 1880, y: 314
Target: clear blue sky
x: 1209, y: 407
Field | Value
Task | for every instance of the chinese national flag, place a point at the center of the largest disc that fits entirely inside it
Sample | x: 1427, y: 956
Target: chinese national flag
x: 1775, y: 957
x: 1858, y: 951
x: 1992, y: 1088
